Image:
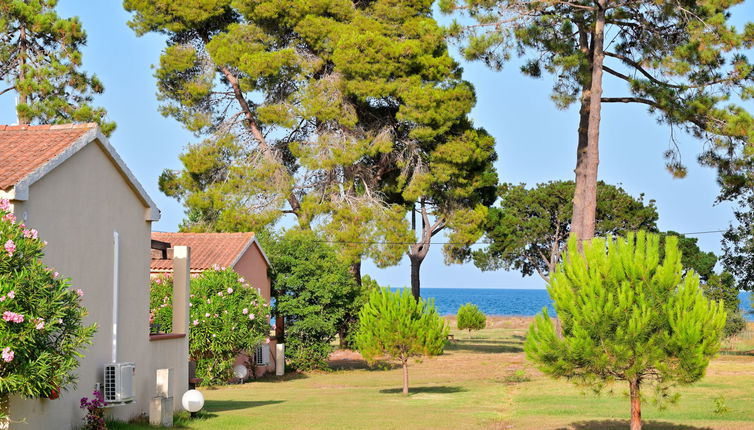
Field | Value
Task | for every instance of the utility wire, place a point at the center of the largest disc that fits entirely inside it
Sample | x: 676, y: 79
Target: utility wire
x: 370, y: 242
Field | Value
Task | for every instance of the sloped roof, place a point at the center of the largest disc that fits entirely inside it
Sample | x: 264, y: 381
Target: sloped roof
x: 207, y: 249
x: 29, y: 152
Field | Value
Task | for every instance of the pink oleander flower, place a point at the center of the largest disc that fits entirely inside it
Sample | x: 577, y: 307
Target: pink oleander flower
x: 251, y: 316
x: 80, y: 292
x: 216, y: 315
x: 8, y: 354
x: 196, y: 322
x: 4, y: 204
x: 9, y: 217
x: 12, y: 316
x: 2, y: 299
x: 190, y: 305
x: 230, y: 290
x: 267, y: 340
x: 206, y: 315
x: 245, y: 311
x: 215, y: 266
x: 31, y: 233
x: 11, y: 294
x: 55, y: 275
x: 158, y: 281
x: 40, y: 324
x: 209, y: 301
x: 220, y: 293
x: 10, y: 247
x: 214, y: 335
x: 264, y: 304
x: 60, y: 320
x: 241, y: 280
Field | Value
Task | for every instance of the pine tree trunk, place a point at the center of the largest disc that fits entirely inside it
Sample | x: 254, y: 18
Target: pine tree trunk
x: 635, y: 405
x: 416, y: 262
x: 355, y: 270
x: 22, y: 96
x: 587, y: 162
x: 405, y: 377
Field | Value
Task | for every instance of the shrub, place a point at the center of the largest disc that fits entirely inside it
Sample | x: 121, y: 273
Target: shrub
x: 42, y: 333
x: 314, y: 294
x: 471, y: 318
x: 626, y: 315
x: 399, y: 327
x: 95, y: 411
x: 227, y: 317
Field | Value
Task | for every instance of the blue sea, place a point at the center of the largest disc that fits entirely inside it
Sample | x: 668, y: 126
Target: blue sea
x: 512, y: 302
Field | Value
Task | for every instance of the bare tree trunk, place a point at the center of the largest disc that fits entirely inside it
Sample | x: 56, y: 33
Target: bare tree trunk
x: 416, y: 263
x: 634, y: 386
x: 587, y: 158
x: 418, y: 251
x: 405, y: 377
x: 356, y: 272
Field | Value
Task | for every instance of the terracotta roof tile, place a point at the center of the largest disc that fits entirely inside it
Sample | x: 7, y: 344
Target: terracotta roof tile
x: 25, y: 148
x: 207, y: 249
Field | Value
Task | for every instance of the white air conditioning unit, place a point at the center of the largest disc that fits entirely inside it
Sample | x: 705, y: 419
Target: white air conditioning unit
x: 119, y: 382
x: 262, y: 356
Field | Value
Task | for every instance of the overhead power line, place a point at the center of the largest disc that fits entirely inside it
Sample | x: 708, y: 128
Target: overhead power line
x: 372, y: 242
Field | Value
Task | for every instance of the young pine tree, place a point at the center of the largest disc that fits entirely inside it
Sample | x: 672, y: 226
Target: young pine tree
x: 471, y: 318
x: 398, y: 326
x: 626, y: 316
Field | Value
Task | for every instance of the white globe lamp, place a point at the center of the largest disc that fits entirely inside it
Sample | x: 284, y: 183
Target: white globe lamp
x: 240, y: 371
x: 192, y: 401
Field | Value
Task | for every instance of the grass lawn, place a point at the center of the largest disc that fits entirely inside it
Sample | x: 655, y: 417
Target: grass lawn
x: 479, y: 383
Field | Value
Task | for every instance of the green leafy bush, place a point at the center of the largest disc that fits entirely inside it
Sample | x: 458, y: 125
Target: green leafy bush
x: 626, y: 316
x: 471, y: 318
x: 314, y: 296
x: 227, y: 317
x: 42, y: 332
x: 397, y: 326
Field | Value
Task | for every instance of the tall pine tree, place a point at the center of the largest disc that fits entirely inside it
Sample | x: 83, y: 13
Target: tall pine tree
x: 40, y: 61
x: 681, y: 59
x: 327, y: 110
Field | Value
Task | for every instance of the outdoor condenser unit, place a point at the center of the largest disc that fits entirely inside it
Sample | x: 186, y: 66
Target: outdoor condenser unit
x: 119, y: 382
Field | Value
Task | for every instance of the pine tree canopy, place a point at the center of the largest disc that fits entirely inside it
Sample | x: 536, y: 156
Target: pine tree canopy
x: 682, y: 59
x: 339, y: 112
x: 40, y: 61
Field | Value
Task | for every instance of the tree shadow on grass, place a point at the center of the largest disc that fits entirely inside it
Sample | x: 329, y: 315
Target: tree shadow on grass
x: 271, y: 377
x: 624, y: 424
x: 347, y: 364
x: 749, y: 353
x: 233, y: 405
x: 438, y: 389
x: 488, y: 347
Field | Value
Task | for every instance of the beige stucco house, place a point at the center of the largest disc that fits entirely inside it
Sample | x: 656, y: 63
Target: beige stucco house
x: 238, y: 251
x: 68, y: 182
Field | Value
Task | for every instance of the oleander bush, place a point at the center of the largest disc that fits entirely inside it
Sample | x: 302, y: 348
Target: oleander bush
x: 42, y: 332
x: 227, y: 316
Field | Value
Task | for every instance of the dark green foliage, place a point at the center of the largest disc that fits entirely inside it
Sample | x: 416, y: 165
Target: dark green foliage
x: 529, y: 229
x: 738, y: 244
x: 692, y: 257
x: 314, y: 294
x: 350, y: 325
x: 42, y: 332
x: 40, y: 58
x: 628, y: 316
x: 683, y: 60
x: 397, y: 326
x: 470, y: 318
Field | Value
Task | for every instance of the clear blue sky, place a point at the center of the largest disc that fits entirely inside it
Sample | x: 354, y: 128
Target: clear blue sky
x: 535, y: 141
